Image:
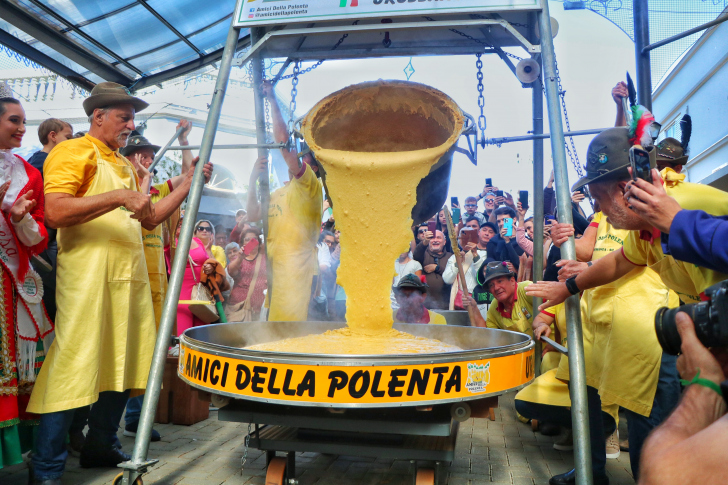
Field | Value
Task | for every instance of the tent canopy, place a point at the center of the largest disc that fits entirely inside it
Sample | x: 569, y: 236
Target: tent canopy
x: 136, y: 43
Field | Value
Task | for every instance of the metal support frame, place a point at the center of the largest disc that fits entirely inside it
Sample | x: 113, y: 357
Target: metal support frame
x: 695, y: 30
x: 640, y: 19
x: 538, y: 203
x: 139, y: 462
x: 349, y: 29
x: 540, y: 136
x: 239, y: 146
x: 577, y: 371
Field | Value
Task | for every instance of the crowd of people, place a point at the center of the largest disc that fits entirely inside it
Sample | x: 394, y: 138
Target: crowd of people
x: 88, y: 241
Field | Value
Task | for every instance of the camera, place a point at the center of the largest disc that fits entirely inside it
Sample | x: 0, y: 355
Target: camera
x: 710, y: 318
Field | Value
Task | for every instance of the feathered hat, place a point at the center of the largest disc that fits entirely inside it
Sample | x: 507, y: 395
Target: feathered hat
x: 675, y: 152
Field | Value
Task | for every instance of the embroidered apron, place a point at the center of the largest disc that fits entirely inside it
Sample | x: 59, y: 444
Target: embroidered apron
x: 105, y: 328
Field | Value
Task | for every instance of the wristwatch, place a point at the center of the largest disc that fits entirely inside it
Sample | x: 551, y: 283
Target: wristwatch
x: 571, y: 285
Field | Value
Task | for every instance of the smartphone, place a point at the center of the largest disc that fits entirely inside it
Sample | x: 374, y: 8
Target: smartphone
x: 248, y: 248
x: 639, y: 159
x: 582, y: 190
x: 432, y: 226
x: 508, y: 226
x: 489, y: 182
x: 499, y: 193
x: 523, y: 198
x: 455, y: 216
x: 469, y: 236
x: 454, y: 202
x: 548, y: 218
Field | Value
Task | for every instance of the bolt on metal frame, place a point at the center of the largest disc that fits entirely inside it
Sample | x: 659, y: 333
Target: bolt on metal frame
x: 139, y: 462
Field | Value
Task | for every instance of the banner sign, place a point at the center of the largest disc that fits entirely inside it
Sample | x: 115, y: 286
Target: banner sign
x: 332, y: 385
x: 255, y: 13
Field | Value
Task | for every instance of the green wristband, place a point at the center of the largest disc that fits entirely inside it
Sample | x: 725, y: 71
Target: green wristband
x: 703, y: 382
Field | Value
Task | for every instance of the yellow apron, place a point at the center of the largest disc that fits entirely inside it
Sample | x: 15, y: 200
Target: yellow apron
x: 294, y: 223
x: 621, y: 351
x: 156, y: 267
x: 105, y: 323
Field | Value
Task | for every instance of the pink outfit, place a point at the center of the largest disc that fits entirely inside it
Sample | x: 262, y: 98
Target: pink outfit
x: 185, y: 318
x: 523, y: 241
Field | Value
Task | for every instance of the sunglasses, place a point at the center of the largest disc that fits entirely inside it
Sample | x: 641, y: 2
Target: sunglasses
x: 204, y: 228
x: 471, y: 205
x: 421, y: 231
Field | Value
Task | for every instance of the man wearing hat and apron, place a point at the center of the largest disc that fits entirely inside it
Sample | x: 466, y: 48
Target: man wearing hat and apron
x: 608, y: 177
x: 105, y: 319
x: 411, y: 294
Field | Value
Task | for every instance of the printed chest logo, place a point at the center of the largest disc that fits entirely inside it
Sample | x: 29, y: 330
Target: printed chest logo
x: 478, y: 377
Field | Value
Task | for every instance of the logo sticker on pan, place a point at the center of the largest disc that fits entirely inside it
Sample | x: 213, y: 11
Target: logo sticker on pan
x: 478, y: 377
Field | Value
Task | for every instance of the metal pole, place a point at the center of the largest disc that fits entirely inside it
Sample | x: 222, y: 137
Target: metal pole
x: 540, y: 136
x: 577, y: 388
x: 235, y: 146
x: 697, y: 29
x: 169, y: 311
x: 160, y: 154
x: 538, y: 209
x: 641, y: 22
x: 256, y: 34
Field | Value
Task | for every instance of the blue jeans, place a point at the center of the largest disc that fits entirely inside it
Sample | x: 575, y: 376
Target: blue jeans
x: 666, y: 398
x: 133, y: 410
x: 49, y: 460
x: 601, y: 424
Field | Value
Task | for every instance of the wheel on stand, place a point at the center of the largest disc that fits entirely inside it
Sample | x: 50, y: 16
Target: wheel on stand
x: 276, y: 474
x: 425, y: 476
x: 118, y: 478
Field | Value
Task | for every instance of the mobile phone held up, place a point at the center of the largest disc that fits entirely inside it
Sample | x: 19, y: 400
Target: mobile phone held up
x: 489, y: 182
x: 469, y: 235
x: 523, y: 198
x: 549, y: 219
x: 499, y: 193
x: 432, y: 227
x: 639, y: 159
x: 508, y: 226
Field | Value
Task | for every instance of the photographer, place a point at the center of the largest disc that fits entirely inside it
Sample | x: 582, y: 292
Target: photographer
x: 693, y: 236
x: 690, y: 446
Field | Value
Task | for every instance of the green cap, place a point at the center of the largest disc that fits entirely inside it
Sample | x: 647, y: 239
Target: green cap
x: 494, y: 269
x: 607, y: 155
x: 135, y: 143
x: 411, y: 281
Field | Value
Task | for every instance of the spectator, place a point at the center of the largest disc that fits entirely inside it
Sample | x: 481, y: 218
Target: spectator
x: 404, y: 265
x: 690, y: 446
x: 549, y: 197
x: 294, y: 221
x: 442, y: 226
x: 451, y: 275
x: 471, y: 210
x: 488, y: 204
x: 51, y: 132
x: 419, y: 232
x: 506, y: 247
x: 197, y: 262
x: 241, y: 224
x: 431, y: 254
x: 524, y: 238
x: 318, y: 308
x: 24, y: 235
x: 337, y: 311
x: 248, y: 271
x: 216, y: 251
x: 221, y: 237
x: 411, y: 294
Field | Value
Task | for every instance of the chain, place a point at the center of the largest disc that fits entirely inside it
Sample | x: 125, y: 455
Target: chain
x: 268, y: 136
x: 294, y: 92
x: 318, y: 63
x: 571, y: 151
x: 245, y: 452
x: 481, y: 41
x: 481, y: 99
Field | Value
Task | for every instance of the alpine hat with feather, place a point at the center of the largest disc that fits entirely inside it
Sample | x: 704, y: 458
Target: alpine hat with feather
x: 674, y: 152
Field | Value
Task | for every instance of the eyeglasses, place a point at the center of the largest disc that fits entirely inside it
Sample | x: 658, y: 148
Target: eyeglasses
x: 204, y: 228
x: 471, y: 205
x: 421, y: 231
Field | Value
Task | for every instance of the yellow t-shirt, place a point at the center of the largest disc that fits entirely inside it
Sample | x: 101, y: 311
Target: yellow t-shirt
x: 686, y: 279
x: 219, y: 254
x: 71, y: 166
x: 521, y: 316
x: 153, y: 241
x: 435, y: 318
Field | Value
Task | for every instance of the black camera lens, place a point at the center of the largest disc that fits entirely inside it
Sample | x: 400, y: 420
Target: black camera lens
x: 666, y: 330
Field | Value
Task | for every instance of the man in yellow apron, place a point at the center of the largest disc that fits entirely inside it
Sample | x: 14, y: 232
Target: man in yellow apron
x: 140, y: 151
x: 294, y: 224
x: 105, y: 320
x: 608, y: 177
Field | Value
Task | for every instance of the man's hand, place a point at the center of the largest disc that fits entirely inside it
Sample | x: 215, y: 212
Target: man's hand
x: 206, y: 170
x: 467, y: 301
x: 503, y: 233
x: 430, y: 268
x: 577, y: 197
x: 510, y: 267
x: 552, y: 293
x: 651, y: 202
x: 618, y: 92
x: 208, y: 269
x: 259, y: 168
x: 428, y: 236
x: 560, y: 233
x: 570, y: 268
x: 141, y: 170
x: 547, y: 229
x: 521, y: 212
x: 267, y: 89
x: 542, y: 330
x: 22, y: 206
x: 551, y: 180
x: 695, y: 357
x: 508, y: 200
x: 471, y: 247
x: 182, y: 138
x: 139, y: 204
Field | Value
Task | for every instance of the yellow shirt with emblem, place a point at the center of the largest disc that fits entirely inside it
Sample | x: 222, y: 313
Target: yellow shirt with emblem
x: 154, y: 255
x: 687, y: 279
x: 521, y: 315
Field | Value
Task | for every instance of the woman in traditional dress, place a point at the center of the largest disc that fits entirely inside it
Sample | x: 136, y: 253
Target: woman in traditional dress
x: 26, y: 332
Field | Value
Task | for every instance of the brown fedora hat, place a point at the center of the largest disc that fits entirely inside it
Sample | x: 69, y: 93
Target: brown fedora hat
x: 108, y: 94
